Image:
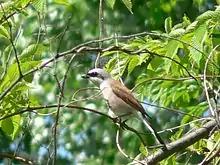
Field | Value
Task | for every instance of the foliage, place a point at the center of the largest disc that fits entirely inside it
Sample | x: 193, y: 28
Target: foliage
x: 43, y: 45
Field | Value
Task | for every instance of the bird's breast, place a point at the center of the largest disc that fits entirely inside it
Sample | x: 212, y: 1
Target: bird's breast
x: 116, y: 104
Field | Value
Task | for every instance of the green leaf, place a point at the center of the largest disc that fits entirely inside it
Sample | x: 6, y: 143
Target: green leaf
x: 155, y: 63
x: 177, y: 32
x: 6, y: 55
x: 177, y: 135
x: 21, y: 11
x: 134, y: 61
x: 108, y: 53
x: 16, y: 124
x: 176, y: 96
x: 172, y: 48
x: 7, y: 126
x: 186, y: 119
x: 7, y: 6
x: 171, y: 160
x: 205, y: 16
x: 186, y: 20
x: 111, y: 3
x: 63, y: 2
x: 38, y: 5
x: 31, y: 52
x: 216, y: 38
x: 143, y: 149
x: 11, y: 125
x: 210, y: 144
x: 168, y: 25
x: 128, y: 4
x: 22, y: 86
x: 143, y: 58
x: 1, y: 70
x: 191, y: 27
x: 24, y: 3
x: 33, y: 100
x: 117, y: 65
x: 13, y: 72
x: 4, y: 32
x: 198, y: 39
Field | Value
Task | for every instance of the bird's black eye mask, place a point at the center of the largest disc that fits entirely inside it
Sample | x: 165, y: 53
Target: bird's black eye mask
x: 92, y: 74
x: 95, y: 74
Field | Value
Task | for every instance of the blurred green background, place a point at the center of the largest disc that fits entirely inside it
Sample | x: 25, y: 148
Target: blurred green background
x: 83, y: 137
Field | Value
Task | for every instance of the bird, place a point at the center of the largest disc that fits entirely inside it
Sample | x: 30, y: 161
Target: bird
x: 121, y: 102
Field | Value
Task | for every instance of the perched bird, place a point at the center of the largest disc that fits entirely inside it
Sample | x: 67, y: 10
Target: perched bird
x: 120, y: 100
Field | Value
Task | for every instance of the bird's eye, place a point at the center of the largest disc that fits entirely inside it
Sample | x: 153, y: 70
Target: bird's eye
x: 93, y: 74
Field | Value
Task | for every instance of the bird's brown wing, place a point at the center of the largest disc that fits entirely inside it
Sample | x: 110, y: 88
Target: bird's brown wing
x: 125, y: 94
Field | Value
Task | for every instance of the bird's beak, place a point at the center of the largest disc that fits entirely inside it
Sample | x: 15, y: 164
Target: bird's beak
x: 85, y: 76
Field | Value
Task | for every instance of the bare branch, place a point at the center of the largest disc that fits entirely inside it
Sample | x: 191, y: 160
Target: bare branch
x: 170, y: 109
x: 182, y: 143
x: 101, y: 29
x: 173, y: 79
x: 119, y: 146
x: 13, y: 13
x: 183, y: 125
x: 213, y: 110
x: 61, y: 94
x: 33, y: 109
x: 82, y: 48
x: 12, y: 43
x: 212, y: 154
x: 17, y: 157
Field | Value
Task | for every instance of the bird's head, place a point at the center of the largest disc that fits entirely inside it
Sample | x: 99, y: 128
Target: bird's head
x: 97, y: 76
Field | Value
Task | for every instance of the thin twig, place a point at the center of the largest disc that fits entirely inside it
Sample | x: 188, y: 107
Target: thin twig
x: 9, y: 56
x: 183, y: 125
x: 85, y: 89
x: 58, y: 109
x: 181, y: 79
x: 12, y: 42
x: 61, y: 92
x: 101, y: 30
x: 120, y: 149
x: 208, y: 157
x: 213, y: 111
x: 12, y: 14
x: 32, y: 109
x: 82, y: 48
x: 124, y: 125
x: 17, y: 157
x: 169, y: 109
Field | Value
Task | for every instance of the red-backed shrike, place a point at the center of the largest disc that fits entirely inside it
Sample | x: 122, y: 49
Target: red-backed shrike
x: 121, y: 101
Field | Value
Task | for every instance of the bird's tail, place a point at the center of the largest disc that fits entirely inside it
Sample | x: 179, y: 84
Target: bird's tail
x: 152, y: 130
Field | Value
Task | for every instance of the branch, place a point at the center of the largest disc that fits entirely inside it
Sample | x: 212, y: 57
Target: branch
x: 173, y: 79
x: 61, y: 94
x: 84, y: 48
x: 17, y: 157
x: 32, y: 109
x: 182, y: 143
x: 213, y: 110
x: 212, y: 154
x: 4, y: 18
x: 119, y: 146
x: 12, y: 42
x: 101, y: 30
x: 173, y: 147
x: 130, y: 52
x: 169, y: 109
